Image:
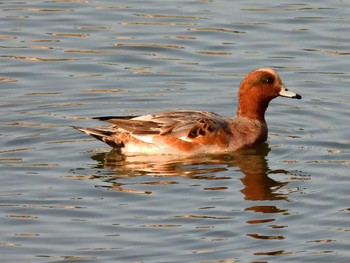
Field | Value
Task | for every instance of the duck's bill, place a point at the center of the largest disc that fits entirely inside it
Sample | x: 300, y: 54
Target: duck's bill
x: 288, y: 94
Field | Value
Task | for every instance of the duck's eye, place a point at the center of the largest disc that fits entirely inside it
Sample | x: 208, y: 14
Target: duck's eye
x: 270, y: 80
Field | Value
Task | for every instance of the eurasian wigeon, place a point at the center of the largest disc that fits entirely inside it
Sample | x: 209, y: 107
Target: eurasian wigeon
x: 197, y: 132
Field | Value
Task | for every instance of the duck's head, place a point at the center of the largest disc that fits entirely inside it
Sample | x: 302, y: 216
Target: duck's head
x: 257, y: 89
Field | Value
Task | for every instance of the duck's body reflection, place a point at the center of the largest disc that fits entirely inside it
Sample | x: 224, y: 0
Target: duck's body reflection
x: 246, y: 170
x: 251, y: 162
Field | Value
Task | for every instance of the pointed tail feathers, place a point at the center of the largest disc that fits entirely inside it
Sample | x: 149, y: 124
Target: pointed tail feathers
x: 96, y: 133
x: 102, y: 135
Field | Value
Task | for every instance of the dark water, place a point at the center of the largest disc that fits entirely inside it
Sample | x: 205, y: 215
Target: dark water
x: 66, y: 198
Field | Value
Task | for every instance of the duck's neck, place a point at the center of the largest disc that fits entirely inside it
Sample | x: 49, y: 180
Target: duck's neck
x: 251, y: 109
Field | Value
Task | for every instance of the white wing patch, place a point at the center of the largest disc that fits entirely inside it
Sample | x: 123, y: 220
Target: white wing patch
x: 185, y: 138
x: 144, y: 138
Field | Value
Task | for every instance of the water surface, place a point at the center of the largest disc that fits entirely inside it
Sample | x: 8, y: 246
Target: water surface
x: 67, y: 198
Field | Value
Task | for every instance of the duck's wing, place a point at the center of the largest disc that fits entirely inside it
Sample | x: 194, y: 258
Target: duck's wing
x: 183, y: 125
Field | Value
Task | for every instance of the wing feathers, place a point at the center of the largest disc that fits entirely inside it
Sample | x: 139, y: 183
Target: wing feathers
x: 184, y: 125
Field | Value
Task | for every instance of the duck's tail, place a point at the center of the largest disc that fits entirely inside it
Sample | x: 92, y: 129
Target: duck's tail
x: 101, y: 135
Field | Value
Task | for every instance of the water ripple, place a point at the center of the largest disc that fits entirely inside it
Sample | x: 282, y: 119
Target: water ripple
x: 65, y: 61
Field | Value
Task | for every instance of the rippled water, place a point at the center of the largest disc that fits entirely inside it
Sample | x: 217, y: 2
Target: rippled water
x: 68, y: 198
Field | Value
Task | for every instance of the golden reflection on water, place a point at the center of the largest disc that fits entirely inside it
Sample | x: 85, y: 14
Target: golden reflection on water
x: 94, y: 27
x: 110, y: 7
x: 68, y: 34
x: 38, y: 59
x: 147, y: 45
x: 169, y: 16
x: 39, y: 10
x: 92, y: 51
x: 328, y: 52
x: 7, y: 37
x: 217, y: 53
x: 156, y: 24
x: 8, y: 80
x: 290, y: 9
x: 216, y: 30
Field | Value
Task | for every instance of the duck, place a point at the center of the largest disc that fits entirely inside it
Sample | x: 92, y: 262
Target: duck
x: 190, y: 132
